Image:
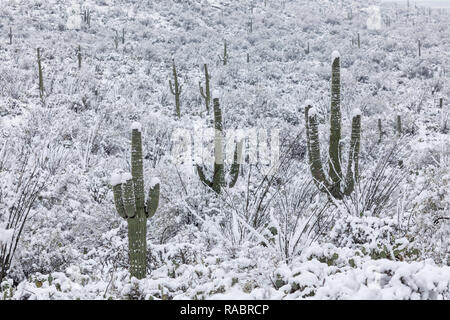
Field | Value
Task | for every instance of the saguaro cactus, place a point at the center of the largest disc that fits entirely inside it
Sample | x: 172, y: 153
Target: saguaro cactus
x: 129, y: 198
x: 399, y: 125
x: 224, y: 58
x: 333, y: 184
x: 206, y: 93
x: 176, y: 89
x: 41, y: 80
x: 79, y: 57
x: 218, y: 179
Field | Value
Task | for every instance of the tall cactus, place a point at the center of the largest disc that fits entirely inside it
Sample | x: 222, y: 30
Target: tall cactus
x: 176, y: 89
x: 41, y: 80
x: 218, y: 179
x: 333, y: 184
x: 79, y: 57
x: 224, y: 58
x: 206, y: 93
x: 129, y: 198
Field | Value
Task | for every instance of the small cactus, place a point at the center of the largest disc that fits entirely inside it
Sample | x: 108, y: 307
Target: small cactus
x: 334, y: 185
x: 10, y: 36
x: 79, y: 57
x: 206, y: 93
x: 129, y: 199
x: 41, y: 80
x: 420, y: 48
x: 218, y: 179
x: 224, y: 58
x: 176, y: 89
x: 399, y: 125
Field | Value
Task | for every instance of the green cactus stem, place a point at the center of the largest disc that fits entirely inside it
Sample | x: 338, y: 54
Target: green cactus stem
x: 41, y: 79
x: 333, y: 183
x: 218, y: 179
x: 79, y: 57
x: 224, y: 58
x: 129, y: 199
x: 176, y: 89
x: 399, y: 125
x: 206, y: 93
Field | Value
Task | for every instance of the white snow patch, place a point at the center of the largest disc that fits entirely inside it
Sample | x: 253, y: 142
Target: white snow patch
x: 116, y: 179
x: 6, y: 235
x: 374, y: 18
x: 154, y: 181
x: 335, y: 55
x: 136, y: 126
x: 126, y: 177
x: 356, y: 112
x: 312, y: 112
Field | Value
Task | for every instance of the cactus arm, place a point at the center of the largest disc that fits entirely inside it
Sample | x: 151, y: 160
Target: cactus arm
x: 152, y: 200
x: 118, y: 200
x: 334, y: 162
x: 353, y: 156
x: 171, y: 87
x: 137, y: 170
x: 129, y: 199
x: 201, y: 90
x: 203, y: 178
x: 234, y: 171
x: 313, y: 146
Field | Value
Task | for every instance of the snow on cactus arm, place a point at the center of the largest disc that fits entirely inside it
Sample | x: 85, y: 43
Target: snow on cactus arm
x: 116, y: 182
x: 153, y: 197
x: 335, y: 54
x: 136, y: 126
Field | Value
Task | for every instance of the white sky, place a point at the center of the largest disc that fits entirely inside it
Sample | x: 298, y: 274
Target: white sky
x: 425, y: 3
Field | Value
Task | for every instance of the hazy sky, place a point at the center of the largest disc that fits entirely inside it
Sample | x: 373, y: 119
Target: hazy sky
x: 426, y: 3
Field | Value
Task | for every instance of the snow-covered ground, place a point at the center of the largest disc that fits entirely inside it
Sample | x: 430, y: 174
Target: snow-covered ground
x: 272, y: 235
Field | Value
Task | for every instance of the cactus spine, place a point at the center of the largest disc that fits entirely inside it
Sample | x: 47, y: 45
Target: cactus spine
x: 224, y: 58
x: 129, y: 199
x: 333, y: 184
x: 206, y: 93
x: 218, y: 179
x: 176, y: 89
x: 41, y: 80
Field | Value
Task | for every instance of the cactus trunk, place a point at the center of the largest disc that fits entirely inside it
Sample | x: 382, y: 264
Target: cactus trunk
x: 137, y: 245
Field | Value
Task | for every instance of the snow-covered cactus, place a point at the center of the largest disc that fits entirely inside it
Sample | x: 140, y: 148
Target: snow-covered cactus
x: 10, y: 35
x: 399, y: 125
x: 419, y: 47
x: 79, y: 57
x: 333, y: 184
x: 380, y: 131
x: 218, y: 179
x: 206, y: 93
x: 224, y: 58
x: 176, y: 89
x: 129, y: 198
x: 307, y: 49
x: 116, y: 40
x: 41, y: 80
